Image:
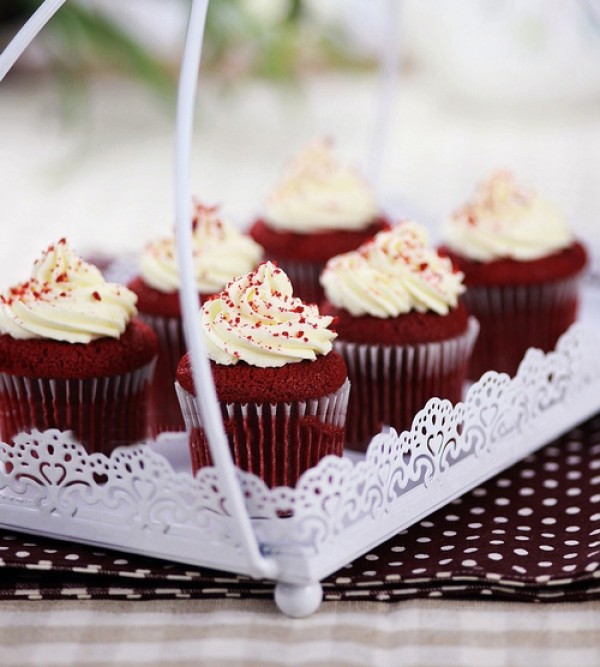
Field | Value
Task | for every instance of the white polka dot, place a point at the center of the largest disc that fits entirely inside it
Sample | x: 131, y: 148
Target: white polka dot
x: 550, y: 483
x: 500, y: 519
x: 419, y: 570
x: 49, y: 551
x: 574, y: 491
x: 427, y: 524
x: 574, y: 474
x: 449, y: 533
x: 570, y: 556
x: 521, y: 552
x: 545, y: 563
x: 573, y: 460
x: 527, y: 473
x: 549, y: 502
x: 421, y: 556
x: 548, y: 521
x: 495, y: 556
x: 569, y: 568
x: 396, y: 563
x: 548, y: 535
x: 522, y: 538
x: 479, y: 493
x: 398, y: 550
x: 595, y: 498
x: 573, y: 510
x: 571, y: 543
x: 592, y: 567
x: 503, y: 483
x: 546, y: 547
x: 499, y: 531
x: 526, y: 491
x: 595, y: 517
x: 369, y: 573
x: 552, y: 451
x: 496, y: 542
x: 445, y: 561
x: 447, y: 547
x: 123, y: 561
x: 591, y: 544
x: 551, y: 466
x: 472, y: 537
x: 368, y: 557
x: 475, y: 526
x: 22, y: 554
x: 519, y: 569
x: 477, y: 510
x: 502, y: 502
x: 73, y: 557
x: 451, y: 517
x: 469, y: 562
x: 525, y: 511
x: 423, y: 540
x: 470, y: 550
x: 572, y: 529
x: 525, y: 529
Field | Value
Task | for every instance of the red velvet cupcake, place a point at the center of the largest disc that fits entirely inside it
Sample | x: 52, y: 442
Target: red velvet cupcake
x: 72, y: 356
x: 402, y: 330
x: 221, y: 252
x: 321, y: 208
x: 283, y: 391
x: 522, y: 270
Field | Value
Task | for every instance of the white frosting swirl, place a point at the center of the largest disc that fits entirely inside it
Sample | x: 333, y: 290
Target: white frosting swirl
x: 505, y: 221
x: 393, y: 274
x: 221, y: 252
x: 67, y: 300
x: 320, y: 193
x: 256, y: 319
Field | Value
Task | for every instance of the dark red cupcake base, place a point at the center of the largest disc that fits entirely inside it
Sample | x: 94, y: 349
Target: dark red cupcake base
x: 303, y: 256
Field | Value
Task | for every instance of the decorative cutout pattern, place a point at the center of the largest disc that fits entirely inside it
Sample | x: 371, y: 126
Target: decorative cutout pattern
x: 448, y: 450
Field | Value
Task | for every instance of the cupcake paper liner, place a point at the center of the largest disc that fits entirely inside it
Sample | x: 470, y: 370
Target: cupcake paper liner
x: 277, y: 442
x: 103, y: 413
x: 391, y: 383
x: 164, y: 413
x: 515, y: 318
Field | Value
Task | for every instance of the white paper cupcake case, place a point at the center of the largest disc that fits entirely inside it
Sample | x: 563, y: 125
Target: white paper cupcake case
x: 277, y: 441
x: 391, y: 383
x: 103, y: 412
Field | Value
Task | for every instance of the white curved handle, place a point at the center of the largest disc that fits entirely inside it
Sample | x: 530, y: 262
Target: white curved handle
x: 27, y: 34
x: 201, y: 372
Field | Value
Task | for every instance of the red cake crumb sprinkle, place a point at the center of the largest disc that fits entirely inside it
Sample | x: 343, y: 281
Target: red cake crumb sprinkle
x: 244, y: 383
x: 316, y: 247
x: 506, y: 271
x: 44, y: 358
x: 411, y: 328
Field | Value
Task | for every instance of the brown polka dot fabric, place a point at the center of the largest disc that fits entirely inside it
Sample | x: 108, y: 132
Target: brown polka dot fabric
x: 532, y: 533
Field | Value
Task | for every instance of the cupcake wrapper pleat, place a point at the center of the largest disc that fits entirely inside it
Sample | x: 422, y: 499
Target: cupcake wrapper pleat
x: 164, y: 413
x: 277, y: 442
x: 391, y: 383
x: 103, y: 413
x: 515, y: 318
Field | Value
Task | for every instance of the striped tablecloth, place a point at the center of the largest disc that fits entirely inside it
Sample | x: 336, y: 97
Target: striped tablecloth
x: 252, y: 633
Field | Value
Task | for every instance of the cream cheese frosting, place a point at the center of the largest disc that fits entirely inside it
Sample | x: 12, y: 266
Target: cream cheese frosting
x: 503, y: 220
x: 394, y: 273
x: 66, y: 299
x: 221, y: 252
x: 257, y: 319
x: 318, y: 193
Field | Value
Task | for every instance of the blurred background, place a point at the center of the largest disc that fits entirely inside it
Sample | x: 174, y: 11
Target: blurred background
x: 87, y: 115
